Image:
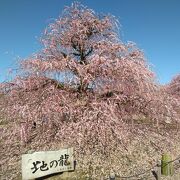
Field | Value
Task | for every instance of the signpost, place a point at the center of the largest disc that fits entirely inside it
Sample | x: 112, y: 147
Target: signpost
x: 39, y: 164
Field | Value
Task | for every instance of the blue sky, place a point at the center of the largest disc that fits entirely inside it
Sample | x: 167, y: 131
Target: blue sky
x: 153, y: 24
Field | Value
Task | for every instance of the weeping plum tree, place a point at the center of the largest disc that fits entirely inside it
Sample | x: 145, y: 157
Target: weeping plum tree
x: 173, y: 87
x: 85, y: 86
x: 173, y: 90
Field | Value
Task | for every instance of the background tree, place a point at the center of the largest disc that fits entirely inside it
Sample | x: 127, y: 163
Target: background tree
x: 173, y: 88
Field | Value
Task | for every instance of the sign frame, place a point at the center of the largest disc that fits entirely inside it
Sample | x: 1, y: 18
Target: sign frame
x: 43, y: 163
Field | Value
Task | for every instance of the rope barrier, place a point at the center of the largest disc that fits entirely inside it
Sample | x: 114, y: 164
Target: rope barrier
x: 148, y: 170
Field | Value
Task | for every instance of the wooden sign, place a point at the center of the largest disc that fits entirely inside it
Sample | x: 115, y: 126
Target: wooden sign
x: 39, y: 164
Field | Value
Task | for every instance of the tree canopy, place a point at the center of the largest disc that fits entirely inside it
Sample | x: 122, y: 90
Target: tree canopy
x: 173, y: 88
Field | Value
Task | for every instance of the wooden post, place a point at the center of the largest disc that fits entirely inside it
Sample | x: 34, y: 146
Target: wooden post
x: 166, y: 167
x: 157, y: 171
x: 112, y: 175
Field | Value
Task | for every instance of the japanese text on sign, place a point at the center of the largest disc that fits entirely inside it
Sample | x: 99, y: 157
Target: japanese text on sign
x: 41, y: 164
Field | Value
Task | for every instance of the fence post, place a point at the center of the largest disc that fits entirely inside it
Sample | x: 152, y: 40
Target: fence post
x: 166, y: 167
x: 112, y: 175
x: 157, y: 171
